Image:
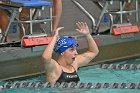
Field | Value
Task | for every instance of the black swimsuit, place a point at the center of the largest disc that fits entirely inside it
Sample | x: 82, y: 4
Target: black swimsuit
x: 68, y: 77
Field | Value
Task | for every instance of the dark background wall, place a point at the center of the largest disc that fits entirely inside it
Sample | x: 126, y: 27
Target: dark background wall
x: 72, y: 14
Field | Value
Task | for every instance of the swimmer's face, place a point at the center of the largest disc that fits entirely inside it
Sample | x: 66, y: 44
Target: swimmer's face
x: 70, y: 55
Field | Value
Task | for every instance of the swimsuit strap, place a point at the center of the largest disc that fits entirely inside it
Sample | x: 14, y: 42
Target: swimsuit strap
x: 63, y: 70
x: 74, y: 68
x: 60, y: 66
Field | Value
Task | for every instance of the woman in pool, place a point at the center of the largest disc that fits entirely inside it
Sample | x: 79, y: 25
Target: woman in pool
x: 64, y: 69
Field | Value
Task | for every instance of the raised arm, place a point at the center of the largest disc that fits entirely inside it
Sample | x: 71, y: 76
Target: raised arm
x: 47, y: 55
x: 84, y: 58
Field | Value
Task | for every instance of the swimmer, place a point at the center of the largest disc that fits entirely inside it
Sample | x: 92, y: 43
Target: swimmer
x: 65, y: 68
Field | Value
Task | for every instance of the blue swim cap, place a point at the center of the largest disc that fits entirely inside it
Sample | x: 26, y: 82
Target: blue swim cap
x: 64, y: 43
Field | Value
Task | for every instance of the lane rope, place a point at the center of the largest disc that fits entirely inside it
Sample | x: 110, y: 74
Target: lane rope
x: 9, y: 85
x: 121, y: 66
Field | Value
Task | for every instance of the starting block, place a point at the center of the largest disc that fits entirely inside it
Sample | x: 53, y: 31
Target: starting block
x: 119, y: 30
x: 36, y: 40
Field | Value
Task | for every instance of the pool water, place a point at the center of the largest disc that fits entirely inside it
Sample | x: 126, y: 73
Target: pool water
x: 92, y: 74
